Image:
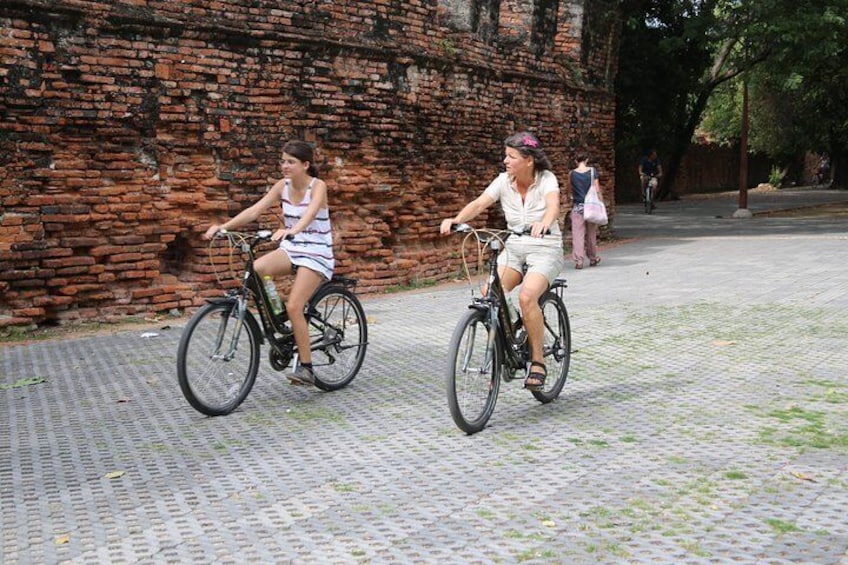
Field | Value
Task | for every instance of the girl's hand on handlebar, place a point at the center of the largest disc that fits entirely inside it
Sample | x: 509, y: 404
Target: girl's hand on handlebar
x: 211, y: 232
x: 445, y: 228
x: 282, y: 233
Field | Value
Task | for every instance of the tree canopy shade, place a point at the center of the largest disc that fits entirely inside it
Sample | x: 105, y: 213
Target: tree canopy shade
x: 676, y: 54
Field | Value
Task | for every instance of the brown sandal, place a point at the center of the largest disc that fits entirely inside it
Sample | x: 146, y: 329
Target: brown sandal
x: 536, y: 380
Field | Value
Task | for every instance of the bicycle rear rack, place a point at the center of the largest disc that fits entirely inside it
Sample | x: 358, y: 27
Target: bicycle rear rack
x: 559, y: 287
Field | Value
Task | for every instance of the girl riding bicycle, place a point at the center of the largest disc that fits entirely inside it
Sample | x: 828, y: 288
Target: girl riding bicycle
x: 529, y: 195
x: 306, y: 241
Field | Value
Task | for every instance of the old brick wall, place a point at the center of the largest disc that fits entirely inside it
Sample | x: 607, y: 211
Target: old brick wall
x: 127, y: 126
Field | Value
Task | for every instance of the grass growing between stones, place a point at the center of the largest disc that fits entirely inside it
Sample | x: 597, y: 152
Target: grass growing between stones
x: 803, y: 428
x: 20, y: 383
x: 782, y: 526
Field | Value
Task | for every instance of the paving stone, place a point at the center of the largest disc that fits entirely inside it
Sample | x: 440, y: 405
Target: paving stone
x: 702, y: 422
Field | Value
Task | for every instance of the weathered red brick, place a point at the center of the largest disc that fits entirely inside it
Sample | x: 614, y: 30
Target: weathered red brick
x: 121, y: 179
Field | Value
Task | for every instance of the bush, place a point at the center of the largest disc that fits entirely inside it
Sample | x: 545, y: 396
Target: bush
x: 776, y: 176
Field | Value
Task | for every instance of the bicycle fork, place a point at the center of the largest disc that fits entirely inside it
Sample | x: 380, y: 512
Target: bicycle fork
x: 488, y: 354
x: 240, y: 305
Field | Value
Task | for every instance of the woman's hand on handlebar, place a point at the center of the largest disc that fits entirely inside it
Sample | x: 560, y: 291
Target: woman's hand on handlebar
x: 539, y: 229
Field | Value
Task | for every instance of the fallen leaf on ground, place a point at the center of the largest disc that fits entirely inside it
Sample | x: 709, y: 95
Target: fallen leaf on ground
x: 115, y: 474
x: 802, y: 476
x: 63, y: 539
x: 722, y: 343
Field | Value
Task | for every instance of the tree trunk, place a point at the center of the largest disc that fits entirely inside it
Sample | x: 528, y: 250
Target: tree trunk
x: 839, y: 167
x: 681, y: 142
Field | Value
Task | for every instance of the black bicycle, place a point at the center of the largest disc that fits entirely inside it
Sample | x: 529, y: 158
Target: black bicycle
x: 218, y: 355
x: 651, y: 184
x: 488, y: 346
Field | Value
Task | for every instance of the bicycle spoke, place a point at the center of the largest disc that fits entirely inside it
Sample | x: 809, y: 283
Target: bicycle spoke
x: 472, y: 380
x: 215, y: 382
x: 338, y: 337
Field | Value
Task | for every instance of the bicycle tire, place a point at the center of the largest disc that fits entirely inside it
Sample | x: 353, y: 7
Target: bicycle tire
x: 473, y: 372
x: 217, y: 386
x: 556, y: 347
x: 647, y: 200
x: 338, y: 332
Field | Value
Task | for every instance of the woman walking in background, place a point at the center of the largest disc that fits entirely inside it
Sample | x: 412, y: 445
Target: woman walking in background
x: 584, y: 235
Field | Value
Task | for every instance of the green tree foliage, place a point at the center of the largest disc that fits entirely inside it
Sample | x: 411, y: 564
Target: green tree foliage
x: 797, y: 93
x: 676, y: 54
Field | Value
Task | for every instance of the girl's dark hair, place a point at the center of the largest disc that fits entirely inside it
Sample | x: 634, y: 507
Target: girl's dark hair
x: 529, y: 146
x: 581, y: 155
x: 302, y: 151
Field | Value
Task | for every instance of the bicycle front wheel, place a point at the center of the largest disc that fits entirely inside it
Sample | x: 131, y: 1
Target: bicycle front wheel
x: 338, y: 334
x: 217, y: 359
x: 473, y: 372
x: 556, y: 347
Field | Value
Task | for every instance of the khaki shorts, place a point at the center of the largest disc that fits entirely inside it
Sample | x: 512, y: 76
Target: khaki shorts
x: 540, y: 256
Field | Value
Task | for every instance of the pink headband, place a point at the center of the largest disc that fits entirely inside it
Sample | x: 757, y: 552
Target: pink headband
x: 530, y: 141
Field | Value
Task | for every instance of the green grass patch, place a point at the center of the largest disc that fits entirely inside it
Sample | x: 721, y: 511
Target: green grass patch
x: 782, y: 526
x: 411, y: 285
x: 486, y: 513
x: 809, y: 429
x: 20, y: 383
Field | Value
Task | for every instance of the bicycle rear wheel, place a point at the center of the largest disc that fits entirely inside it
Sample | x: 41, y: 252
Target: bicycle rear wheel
x: 473, y: 372
x: 338, y: 332
x: 217, y: 359
x: 556, y: 347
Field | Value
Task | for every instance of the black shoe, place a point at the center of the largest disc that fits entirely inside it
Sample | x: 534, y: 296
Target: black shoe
x: 301, y: 376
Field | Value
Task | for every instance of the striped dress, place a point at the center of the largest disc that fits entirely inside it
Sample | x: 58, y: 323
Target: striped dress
x: 313, y: 247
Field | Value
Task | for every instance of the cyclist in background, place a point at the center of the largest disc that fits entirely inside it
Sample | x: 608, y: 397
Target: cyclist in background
x: 529, y: 195
x: 649, y: 168
x: 823, y: 170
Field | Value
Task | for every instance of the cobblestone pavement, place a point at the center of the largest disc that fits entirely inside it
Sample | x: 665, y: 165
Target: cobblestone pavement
x: 703, y: 422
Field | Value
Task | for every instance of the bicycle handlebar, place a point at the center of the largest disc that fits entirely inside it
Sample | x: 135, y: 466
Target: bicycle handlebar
x: 261, y: 235
x: 465, y: 228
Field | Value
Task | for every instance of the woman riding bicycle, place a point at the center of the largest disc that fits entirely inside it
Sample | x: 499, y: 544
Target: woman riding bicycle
x: 529, y: 195
x: 306, y: 240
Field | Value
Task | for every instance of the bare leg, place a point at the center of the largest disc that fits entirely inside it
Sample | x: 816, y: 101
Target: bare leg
x: 274, y: 264
x: 533, y: 288
x: 510, y: 278
x: 306, y: 281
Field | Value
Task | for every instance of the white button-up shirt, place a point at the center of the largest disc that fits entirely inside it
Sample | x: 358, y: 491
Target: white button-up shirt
x: 521, y: 213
